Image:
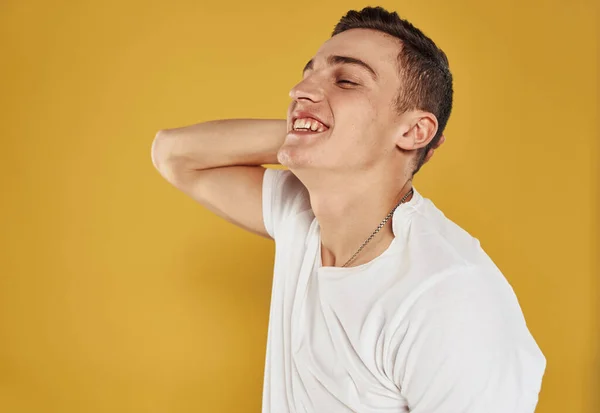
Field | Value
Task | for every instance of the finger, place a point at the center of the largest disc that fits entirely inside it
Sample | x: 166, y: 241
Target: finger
x: 441, y: 141
x: 429, y: 155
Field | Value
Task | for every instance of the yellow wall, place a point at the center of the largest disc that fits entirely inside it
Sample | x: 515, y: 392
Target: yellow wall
x: 118, y: 294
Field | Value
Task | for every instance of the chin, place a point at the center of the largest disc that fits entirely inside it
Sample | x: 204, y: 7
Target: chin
x: 294, y: 157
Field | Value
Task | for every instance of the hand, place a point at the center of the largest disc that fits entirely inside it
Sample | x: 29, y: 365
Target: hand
x: 432, y: 150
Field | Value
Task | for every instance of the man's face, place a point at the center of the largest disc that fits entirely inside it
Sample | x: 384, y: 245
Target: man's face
x: 360, y: 118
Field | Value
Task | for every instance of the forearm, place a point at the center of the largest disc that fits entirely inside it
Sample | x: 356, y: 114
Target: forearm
x: 220, y: 143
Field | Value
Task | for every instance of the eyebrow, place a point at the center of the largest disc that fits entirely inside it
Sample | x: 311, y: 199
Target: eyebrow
x: 343, y: 60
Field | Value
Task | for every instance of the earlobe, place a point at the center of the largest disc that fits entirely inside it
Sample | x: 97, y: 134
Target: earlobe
x: 405, y: 139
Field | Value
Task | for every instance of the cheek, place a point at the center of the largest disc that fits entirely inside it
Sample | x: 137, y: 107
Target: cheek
x: 354, y: 114
x: 361, y: 132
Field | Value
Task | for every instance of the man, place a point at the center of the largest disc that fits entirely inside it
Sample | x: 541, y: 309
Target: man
x: 380, y: 303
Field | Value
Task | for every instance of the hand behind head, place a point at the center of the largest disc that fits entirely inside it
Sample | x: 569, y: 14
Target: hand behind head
x: 432, y: 150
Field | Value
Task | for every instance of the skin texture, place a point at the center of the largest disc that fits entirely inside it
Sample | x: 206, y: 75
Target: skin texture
x: 361, y: 166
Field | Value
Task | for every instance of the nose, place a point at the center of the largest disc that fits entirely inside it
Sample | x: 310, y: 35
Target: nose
x: 307, y: 89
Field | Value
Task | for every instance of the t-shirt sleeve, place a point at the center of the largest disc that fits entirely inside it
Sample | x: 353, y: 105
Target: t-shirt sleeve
x: 467, y: 349
x: 283, y: 196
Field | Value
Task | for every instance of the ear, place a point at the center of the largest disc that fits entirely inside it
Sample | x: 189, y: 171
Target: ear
x: 419, y: 128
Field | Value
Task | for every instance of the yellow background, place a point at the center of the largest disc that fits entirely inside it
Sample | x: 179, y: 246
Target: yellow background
x: 119, y: 294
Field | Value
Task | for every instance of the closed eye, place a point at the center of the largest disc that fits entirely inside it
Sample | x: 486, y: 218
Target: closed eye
x: 347, y: 82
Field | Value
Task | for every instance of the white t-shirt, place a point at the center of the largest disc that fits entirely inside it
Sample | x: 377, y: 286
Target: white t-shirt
x: 429, y: 326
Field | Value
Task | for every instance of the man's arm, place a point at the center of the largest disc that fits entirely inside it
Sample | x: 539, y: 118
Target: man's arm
x: 218, y: 163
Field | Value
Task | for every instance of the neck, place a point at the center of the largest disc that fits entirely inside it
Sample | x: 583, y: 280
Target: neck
x: 351, y: 212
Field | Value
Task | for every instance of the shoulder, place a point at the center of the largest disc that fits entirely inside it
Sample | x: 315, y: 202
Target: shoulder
x: 283, y: 196
x: 468, y: 314
x: 435, y: 233
x: 282, y: 183
x: 474, y: 294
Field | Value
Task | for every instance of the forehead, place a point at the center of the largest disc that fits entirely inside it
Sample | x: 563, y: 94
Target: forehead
x: 376, y: 48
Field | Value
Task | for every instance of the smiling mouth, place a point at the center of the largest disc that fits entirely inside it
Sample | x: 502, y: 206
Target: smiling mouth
x: 308, y: 126
x: 305, y: 132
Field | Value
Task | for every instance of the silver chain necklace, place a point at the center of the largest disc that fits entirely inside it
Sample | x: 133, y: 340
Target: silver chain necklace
x: 381, y: 225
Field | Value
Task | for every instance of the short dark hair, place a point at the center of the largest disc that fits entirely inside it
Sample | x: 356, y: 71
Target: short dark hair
x: 424, y: 69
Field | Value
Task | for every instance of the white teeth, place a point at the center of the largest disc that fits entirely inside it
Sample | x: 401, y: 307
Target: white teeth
x: 309, y: 124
